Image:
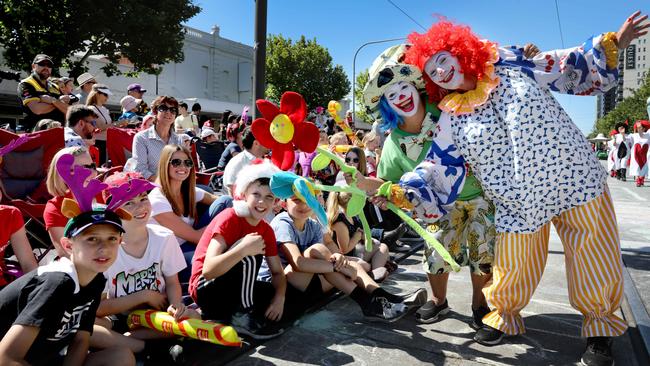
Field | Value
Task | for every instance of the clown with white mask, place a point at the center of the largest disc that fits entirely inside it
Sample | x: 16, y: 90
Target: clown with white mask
x: 446, y: 192
x: 536, y: 166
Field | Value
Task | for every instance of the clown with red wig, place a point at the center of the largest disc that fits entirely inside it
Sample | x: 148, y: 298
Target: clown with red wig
x: 640, y: 142
x: 449, y: 194
x: 535, y: 165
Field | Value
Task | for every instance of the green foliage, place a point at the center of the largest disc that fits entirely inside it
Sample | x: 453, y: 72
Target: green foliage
x: 632, y: 108
x: 147, y: 32
x: 359, y: 84
x: 304, y: 67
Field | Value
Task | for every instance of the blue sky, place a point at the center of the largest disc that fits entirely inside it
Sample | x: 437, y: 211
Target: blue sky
x: 343, y: 25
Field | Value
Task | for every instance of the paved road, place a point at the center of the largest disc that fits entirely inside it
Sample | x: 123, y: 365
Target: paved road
x: 336, y: 335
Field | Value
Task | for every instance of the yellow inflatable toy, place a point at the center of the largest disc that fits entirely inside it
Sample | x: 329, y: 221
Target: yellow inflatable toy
x: 202, y: 330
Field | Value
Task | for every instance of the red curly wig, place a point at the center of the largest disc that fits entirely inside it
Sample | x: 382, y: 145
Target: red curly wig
x: 459, y: 40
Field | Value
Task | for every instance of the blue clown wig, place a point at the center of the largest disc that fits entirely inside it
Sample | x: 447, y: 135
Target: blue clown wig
x: 390, y: 119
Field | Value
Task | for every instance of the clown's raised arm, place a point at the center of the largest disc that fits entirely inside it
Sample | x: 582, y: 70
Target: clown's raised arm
x: 588, y: 69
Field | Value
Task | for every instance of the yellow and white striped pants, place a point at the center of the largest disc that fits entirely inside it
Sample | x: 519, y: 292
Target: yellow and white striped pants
x: 593, y: 268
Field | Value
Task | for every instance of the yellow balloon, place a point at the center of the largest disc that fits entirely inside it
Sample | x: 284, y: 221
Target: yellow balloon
x: 282, y: 128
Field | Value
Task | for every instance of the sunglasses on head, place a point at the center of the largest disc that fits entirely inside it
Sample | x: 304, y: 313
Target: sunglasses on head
x: 351, y: 160
x: 177, y: 162
x: 164, y: 108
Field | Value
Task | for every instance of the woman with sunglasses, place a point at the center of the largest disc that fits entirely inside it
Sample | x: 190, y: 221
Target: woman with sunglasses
x: 97, y: 98
x: 148, y: 144
x: 54, y: 220
x: 174, y: 202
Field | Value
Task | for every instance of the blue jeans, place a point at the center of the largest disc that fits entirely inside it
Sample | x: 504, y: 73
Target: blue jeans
x: 188, y: 248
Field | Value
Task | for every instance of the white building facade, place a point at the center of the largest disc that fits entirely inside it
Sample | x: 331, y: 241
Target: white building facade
x: 216, y: 72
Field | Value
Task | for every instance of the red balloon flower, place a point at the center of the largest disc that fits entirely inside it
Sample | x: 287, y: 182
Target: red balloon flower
x: 282, y: 129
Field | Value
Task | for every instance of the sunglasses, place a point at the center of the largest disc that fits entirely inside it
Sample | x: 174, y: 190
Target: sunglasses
x: 177, y: 162
x: 92, y: 122
x: 91, y: 166
x: 44, y: 64
x: 351, y: 160
x: 163, y: 108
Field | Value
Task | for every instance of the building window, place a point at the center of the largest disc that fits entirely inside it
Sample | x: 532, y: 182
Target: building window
x: 205, y: 76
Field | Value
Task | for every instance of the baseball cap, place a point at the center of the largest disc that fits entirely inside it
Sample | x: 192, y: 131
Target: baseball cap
x: 79, y: 223
x: 136, y: 87
x: 84, y: 78
x: 207, y: 132
x: 129, y: 102
x: 42, y: 57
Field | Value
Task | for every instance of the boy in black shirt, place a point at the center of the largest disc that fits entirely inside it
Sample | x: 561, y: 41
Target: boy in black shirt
x: 54, y: 306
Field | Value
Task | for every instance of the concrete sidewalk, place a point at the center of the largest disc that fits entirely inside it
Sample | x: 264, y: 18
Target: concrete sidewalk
x: 337, y: 335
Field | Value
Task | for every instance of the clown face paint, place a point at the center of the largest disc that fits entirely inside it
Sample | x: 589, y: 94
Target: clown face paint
x: 444, y: 69
x: 403, y: 98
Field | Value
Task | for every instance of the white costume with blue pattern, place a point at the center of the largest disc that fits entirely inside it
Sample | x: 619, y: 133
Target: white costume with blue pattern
x: 530, y: 158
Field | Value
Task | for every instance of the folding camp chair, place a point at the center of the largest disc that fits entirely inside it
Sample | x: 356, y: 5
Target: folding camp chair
x: 23, y: 174
x: 205, y: 176
x: 209, y: 154
x: 119, y: 144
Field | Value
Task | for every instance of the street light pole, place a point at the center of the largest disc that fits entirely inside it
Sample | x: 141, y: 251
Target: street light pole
x: 354, y: 63
x: 259, y: 56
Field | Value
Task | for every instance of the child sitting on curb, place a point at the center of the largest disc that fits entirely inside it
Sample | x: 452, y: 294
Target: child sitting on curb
x: 54, y: 306
x: 348, y: 235
x: 228, y: 257
x: 145, y: 273
x: 313, y: 269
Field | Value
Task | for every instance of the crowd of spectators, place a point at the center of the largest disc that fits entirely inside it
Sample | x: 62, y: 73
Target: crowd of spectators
x: 171, y: 146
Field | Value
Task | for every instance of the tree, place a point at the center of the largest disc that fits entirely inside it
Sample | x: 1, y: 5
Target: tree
x: 112, y: 28
x: 304, y: 67
x: 632, y: 108
x: 360, y: 109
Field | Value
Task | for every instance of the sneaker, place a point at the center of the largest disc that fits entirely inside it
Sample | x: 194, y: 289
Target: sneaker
x: 478, y: 315
x: 247, y: 324
x: 430, y: 312
x: 598, y: 352
x: 382, y: 310
x: 411, y: 234
x: 390, y: 238
x: 415, y: 298
x: 488, y: 336
x: 399, y: 247
x: 176, y: 354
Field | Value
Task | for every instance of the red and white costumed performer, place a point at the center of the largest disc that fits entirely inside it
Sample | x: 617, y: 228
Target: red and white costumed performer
x: 611, y: 150
x: 622, y: 147
x: 640, y: 142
